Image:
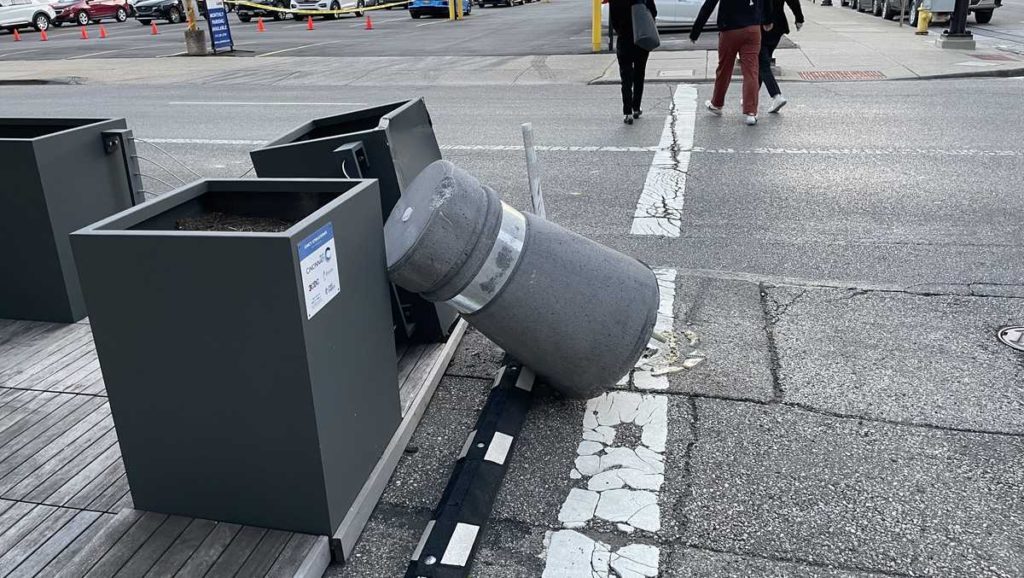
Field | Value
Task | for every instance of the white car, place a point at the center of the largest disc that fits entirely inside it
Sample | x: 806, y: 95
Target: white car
x: 674, y: 13
x: 19, y: 13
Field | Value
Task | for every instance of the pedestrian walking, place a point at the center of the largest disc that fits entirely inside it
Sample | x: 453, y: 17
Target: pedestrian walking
x: 632, y: 59
x: 770, y: 41
x: 739, y: 23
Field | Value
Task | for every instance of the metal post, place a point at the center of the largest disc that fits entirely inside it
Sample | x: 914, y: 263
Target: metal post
x: 957, y: 36
x: 903, y: 11
x: 533, y: 171
x: 458, y: 10
x: 595, y: 26
x: 451, y: 9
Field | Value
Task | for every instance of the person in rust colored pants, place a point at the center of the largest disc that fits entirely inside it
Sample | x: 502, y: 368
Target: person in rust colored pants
x: 739, y: 23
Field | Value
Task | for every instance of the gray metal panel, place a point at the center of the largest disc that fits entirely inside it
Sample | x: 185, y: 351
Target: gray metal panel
x: 58, y: 177
x: 229, y: 403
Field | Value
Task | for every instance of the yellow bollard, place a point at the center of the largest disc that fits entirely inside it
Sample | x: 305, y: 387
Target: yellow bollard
x: 595, y: 25
x: 451, y: 9
x: 458, y: 10
x: 924, y: 20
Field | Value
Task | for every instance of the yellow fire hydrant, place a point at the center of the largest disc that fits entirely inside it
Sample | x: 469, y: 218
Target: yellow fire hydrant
x: 924, y: 19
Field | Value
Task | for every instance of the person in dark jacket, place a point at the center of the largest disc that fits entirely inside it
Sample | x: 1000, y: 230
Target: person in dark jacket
x: 632, y: 59
x: 739, y: 23
x: 770, y: 41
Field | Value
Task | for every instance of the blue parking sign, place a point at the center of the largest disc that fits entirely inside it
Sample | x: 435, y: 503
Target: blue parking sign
x: 220, y: 31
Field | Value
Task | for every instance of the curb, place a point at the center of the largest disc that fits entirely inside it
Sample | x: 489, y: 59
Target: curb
x: 1002, y: 73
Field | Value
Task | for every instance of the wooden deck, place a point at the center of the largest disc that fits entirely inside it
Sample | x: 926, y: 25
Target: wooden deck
x: 65, y: 505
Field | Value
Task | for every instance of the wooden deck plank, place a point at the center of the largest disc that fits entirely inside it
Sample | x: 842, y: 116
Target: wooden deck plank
x: 182, y: 548
x: 33, y: 473
x: 12, y: 557
x: 235, y: 555
x: 50, y: 431
x: 40, y: 488
x: 123, y: 549
x: 13, y: 512
x: 205, y: 556
x: 97, y: 486
x: 52, y: 544
x: 151, y: 551
x: 72, y: 551
x: 46, y: 359
x: 17, y: 436
x: 297, y: 555
x: 80, y: 480
x: 24, y: 526
x: 69, y: 376
x: 113, y: 494
x: 92, y: 426
x: 407, y: 362
x: 417, y: 377
x: 21, y: 335
x: 124, y: 502
x: 30, y: 404
x: 91, y: 384
x: 265, y: 553
x: 100, y: 544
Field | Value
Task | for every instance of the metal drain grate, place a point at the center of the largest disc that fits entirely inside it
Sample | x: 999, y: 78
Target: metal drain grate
x: 842, y: 75
x: 1012, y: 336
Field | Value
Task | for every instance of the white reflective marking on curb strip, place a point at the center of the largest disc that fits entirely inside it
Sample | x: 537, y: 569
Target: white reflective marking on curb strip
x: 660, y: 207
x: 497, y: 451
x: 643, y: 378
x: 526, y: 379
x: 466, y: 446
x: 423, y: 540
x: 461, y: 544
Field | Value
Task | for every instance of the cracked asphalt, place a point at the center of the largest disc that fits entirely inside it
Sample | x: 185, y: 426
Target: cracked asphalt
x: 846, y: 268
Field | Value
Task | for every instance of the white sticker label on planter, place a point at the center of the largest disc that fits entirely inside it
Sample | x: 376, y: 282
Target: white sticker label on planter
x: 318, y: 261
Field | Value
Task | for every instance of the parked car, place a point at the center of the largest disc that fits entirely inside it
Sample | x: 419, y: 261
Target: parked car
x: 509, y: 3
x: 890, y: 9
x: 247, y: 13
x: 172, y: 11
x: 83, y: 12
x: 20, y: 13
x: 332, y: 5
x: 419, y: 8
x: 674, y: 14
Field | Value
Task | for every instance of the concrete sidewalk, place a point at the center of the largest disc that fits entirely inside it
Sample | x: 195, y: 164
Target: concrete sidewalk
x: 837, y: 43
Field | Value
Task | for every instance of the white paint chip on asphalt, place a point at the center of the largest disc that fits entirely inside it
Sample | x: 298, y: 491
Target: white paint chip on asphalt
x: 660, y: 207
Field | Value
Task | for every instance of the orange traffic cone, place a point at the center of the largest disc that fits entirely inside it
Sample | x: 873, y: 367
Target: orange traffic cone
x: 153, y: 30
x: 259, y: 25
x: 309, y: 23
x: 85, y: 33
x: 369, y: 22
x: 103, y: 31
x: 17, y: 35
x: 42, y: 36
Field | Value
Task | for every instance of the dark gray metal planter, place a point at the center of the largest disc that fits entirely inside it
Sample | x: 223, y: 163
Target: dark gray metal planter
x: 392, y: 143
x: 58, y: 175
x: 231, y: 401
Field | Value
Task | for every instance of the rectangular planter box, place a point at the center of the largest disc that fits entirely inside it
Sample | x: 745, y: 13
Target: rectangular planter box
x: 248, y: 383
x: 58, y: 175
x: 398, y: 141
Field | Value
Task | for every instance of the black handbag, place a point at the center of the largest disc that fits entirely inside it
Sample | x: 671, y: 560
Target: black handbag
x: 645, y: 30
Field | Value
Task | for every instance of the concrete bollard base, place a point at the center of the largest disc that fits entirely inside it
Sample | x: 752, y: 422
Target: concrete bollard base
x: 195, y: 42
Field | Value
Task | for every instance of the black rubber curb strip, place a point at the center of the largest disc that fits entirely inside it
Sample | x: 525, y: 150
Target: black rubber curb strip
x: 452, y: 537
x: 41, y: 81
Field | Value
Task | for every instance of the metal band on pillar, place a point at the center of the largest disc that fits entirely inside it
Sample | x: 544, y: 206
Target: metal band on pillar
x: 500, y: 264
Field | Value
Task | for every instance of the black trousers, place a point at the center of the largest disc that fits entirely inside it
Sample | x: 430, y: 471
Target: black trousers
x: 632, y: 71
x: 769, y: 42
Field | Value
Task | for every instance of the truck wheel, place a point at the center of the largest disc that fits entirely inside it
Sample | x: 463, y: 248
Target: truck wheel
x: 983, y: 16
x: 888, y: 12
x: 278, y: 16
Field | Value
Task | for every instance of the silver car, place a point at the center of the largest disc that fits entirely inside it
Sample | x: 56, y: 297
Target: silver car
x: 20, y: 13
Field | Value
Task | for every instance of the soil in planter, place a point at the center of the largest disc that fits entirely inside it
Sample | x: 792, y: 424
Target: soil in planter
x: 217, y: 221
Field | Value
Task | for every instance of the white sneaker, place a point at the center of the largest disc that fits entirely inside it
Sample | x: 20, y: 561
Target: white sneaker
x: 750, y: 119
x: 712, y: 108
x: 777, y: 103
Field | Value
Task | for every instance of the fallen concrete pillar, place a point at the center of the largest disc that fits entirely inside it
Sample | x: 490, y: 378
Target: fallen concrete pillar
x: 577, y: 313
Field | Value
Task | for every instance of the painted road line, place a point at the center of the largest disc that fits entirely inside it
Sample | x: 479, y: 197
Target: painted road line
x: 282, y: 51
x: 92, y: 54
x: 617, y: 482
x: 659, y: 211
x: 643, y: 375
x: 240, y: 103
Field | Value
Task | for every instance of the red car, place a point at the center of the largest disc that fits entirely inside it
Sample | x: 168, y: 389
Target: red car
x: 83, y: 12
